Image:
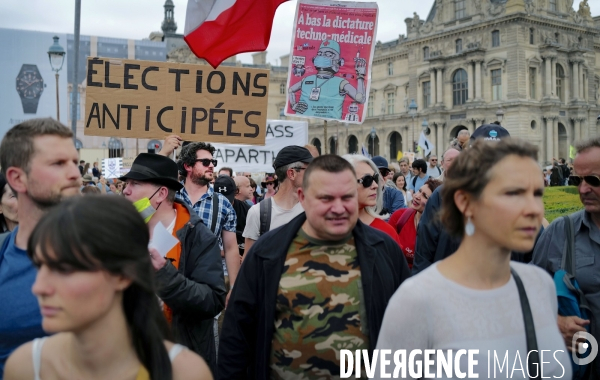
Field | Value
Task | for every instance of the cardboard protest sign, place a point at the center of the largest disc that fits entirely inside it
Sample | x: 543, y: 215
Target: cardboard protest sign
x: 145, y: 99
x: 331, y: 56
x: 247, y: 158
x: 111, y: 167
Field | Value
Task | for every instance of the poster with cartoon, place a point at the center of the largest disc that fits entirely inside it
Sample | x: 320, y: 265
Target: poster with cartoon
x: 331, y: 56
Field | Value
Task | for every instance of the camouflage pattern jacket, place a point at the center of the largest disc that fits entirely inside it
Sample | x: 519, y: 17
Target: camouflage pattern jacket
x: 245, y: 342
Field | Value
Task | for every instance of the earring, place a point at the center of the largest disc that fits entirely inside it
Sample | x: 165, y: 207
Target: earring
x: 469, y: 227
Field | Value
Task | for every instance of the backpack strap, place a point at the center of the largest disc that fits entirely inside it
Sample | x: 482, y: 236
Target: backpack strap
x: 4, y: 240
x: 414, y: 181
x: 532, y: 348
x: 404, y: 218
x: 568, y: 258
x: 568, y: 264
x: 265, y: 215
x: 215, y: 212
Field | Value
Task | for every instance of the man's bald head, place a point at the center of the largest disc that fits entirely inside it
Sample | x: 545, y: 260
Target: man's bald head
x: 244, y: 190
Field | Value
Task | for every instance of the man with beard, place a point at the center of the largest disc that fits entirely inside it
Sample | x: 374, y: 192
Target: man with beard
x: 39, y: 160
x: 323, y: 94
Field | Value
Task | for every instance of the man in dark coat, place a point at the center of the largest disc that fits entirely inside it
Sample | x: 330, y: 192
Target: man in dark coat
x: 189, y: 277
x: 323, y: 278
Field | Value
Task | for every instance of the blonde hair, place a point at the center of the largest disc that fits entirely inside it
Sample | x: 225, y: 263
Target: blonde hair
x: 372, y: 210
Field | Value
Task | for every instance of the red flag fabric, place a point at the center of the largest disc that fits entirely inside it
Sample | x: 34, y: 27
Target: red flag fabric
x: 218, y: 29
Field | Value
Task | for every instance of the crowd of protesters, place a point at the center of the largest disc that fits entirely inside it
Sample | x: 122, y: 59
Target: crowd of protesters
x: 272, y: 281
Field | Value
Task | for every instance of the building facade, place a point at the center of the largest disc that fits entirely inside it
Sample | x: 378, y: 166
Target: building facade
x: 536, y: 61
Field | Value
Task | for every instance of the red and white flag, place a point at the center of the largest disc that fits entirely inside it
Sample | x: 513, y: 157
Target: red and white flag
x: 217, y: 29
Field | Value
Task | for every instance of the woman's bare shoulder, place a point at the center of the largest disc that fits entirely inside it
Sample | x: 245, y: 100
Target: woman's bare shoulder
x: 188, y: 365
x: 20, y: 364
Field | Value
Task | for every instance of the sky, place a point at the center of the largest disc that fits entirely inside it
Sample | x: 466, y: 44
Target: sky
x: 135, y: 19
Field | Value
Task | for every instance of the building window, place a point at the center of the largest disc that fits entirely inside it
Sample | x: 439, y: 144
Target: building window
x: 532, y: 82
x: 552, y: 5
x: 496, y: 84
x: 282, y: 88
x: 390, y: 103
x: 495, y: 38
x: 531, y: 34
x: 115, y: 148
x: 459, y: 46
x: 370, y: 106
x: 426, y: 52
x: 390, y: 68
x: 557, y: 37
x: 426, y: 94
x: 459, y: 87
x: 560, y: 76
x: 460, y: 9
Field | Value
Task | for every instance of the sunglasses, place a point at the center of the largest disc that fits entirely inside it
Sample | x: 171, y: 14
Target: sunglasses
x: 368, y: 179
x: 206, y: 162
x: 592, y: 180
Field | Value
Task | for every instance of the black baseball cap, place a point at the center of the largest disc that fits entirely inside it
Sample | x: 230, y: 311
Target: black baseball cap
x: 225, y: 185
x: 490, y: 132
x: 291, y: 154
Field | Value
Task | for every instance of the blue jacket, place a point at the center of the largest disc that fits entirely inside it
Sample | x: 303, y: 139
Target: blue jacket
x: 393, y: 199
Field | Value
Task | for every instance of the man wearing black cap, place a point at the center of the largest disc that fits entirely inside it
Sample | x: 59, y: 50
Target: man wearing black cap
x: 190, y: 277
x: 393, y: 199
x: 279, y: 209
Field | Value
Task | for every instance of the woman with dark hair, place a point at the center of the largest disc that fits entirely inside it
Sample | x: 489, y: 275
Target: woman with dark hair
x: 87, y: 169
x: 256, y: 196
x: 477, y: 299
x: 406, y: 220
x: 9, y: 218
x: 98, y: 299
x: 400, y: 182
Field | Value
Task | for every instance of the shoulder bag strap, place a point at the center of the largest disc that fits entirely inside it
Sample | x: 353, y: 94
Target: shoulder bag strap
x: 265, y: 215
x: 532, y: 348
x: 414, y: 181
x: 568, y: 257
x: 403, y: 219
x: 215, y: 212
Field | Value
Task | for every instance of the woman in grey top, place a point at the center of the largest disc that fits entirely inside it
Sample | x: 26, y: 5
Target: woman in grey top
x: 470, y: 300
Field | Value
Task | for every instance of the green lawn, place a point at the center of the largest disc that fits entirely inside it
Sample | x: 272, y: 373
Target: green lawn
x: 561, y: 200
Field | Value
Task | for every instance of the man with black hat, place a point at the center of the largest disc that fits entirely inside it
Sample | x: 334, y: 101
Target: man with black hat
x: 190, y: 277
x: 279, y: 209
x: 393, y: 199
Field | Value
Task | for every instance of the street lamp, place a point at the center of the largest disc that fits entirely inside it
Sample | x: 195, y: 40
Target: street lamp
x: 412, y: 111
x: 56, y: 54
x: 500, y: 115
x: 373, y: 134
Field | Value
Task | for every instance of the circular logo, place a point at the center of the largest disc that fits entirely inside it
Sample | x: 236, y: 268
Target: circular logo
x: 493, y: 133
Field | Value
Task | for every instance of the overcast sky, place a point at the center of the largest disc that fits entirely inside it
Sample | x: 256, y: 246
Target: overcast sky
x: 135, y: 19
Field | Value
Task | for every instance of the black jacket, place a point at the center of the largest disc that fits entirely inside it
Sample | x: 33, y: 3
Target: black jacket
x: 245, y: 342
x: 196, y: 290
x: 433, y: 242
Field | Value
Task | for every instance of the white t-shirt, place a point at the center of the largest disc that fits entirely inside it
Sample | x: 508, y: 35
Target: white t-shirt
x: 429, y: 311
x: 279, y: 217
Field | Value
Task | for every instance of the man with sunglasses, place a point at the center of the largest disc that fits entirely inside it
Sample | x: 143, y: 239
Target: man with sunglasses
x: 551, y: 245
x: 433, y: 170
x: 279, y: 209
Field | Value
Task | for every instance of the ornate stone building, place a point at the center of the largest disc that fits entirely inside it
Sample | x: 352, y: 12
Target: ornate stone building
x: 533, y: 60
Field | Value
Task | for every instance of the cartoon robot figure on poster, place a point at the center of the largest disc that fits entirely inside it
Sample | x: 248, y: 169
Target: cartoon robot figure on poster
x: 323, y: 94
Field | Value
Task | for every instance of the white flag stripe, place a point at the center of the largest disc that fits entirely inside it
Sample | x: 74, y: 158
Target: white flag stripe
x: 200, y: 11
x: 424, y: 143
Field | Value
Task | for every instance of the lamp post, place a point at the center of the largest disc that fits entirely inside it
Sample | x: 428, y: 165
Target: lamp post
x: 412, y: 111
x: 56, y: 54
x: 373, y: 134
x: 500, y: 115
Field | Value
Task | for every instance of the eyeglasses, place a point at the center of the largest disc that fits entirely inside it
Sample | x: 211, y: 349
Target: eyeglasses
x: 206, y: 162
x: 368, y: 179
x: 592, y: 180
